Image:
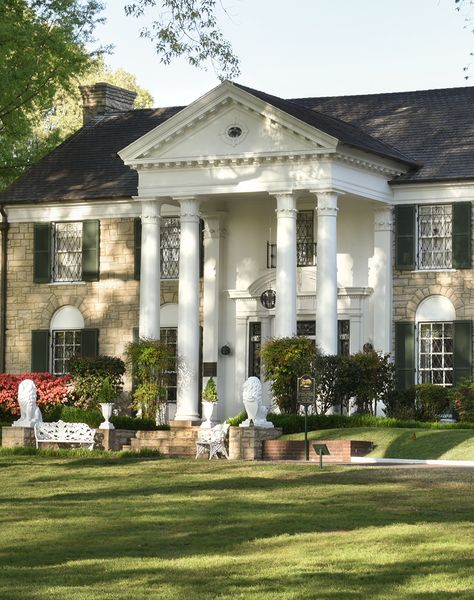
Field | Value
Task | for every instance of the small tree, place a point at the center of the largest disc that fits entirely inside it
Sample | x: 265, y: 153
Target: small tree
x: 373, y: 379
x: 150, y: 361
x: 335, y: 381
x: 88, y: 375
x: 284, y: 360
x: 209, y: 393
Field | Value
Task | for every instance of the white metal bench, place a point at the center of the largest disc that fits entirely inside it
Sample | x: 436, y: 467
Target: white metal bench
x: 60, y: 432
x: 213, y: 441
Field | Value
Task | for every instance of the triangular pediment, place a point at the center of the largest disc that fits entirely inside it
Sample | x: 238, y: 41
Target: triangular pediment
x: 227, y: 123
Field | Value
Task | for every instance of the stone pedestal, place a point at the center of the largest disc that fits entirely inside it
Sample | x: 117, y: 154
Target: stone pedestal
x: 18, y: 437
x: 245, y: 443
x: 113, y: 439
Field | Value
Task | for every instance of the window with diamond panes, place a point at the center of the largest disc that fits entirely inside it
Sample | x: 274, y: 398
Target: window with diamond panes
x: 169, y: 241
x: 435, y: 356
x: 66, y: 344
x: 67, y: 263
x: 435, y: 237
x: 255, y: 341
x: 305, y: 247
x: 169, y: 335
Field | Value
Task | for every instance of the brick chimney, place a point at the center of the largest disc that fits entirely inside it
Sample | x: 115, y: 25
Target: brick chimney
x: 102, y: 98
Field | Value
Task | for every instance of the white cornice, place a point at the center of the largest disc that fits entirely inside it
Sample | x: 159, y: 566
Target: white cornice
x: 426, y: 193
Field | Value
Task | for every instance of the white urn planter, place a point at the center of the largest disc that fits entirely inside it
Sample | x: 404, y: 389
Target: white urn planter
x: 106, y: 408
x: 207, y: 412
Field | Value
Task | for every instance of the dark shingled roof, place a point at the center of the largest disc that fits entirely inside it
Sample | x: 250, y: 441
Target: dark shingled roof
x: 433, y: 127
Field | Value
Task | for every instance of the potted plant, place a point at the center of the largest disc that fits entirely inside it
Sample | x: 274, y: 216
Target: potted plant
x: 209, y: 399
x: 106, y: 396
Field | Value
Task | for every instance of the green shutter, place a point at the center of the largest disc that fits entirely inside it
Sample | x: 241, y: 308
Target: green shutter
x: 90, y: 250
x: 404, y: 355
x: 89, y: 342
x: 137, y: 247
x: 405, y: 238
x: 42, y: 253
x: 462, y: 350
x: 40, y: 351
x: 462, y: 235
x: 135, y: 335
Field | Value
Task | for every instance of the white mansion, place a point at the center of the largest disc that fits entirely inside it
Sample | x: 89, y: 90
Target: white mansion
x: 241, y: 217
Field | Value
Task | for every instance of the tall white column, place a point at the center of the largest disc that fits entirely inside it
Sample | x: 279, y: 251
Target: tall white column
x: 149, y: 319
x: 211, y: 294
x: 326, y: 274
x: 285, y: 308
x: 188, y: 312
x: 381, y: 279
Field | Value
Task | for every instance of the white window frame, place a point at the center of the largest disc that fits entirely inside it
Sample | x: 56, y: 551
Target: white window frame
x: 421, y: 263
x: 70, y: 256
x: 444, y: 351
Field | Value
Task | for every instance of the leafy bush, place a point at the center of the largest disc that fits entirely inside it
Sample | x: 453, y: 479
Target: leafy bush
x: 462, y: 397
x: 89, y: 373
x: 284, y: 360
x: 93, y: 418
x: 136, y: 424
x: 151, y: 362
x: 400, y: 404
x: 431, y: 401
x: 335, y: 378
x: 373, y: 379
x: 52, y: 391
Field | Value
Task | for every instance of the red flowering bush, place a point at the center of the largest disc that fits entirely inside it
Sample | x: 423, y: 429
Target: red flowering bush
x: 52, y: 390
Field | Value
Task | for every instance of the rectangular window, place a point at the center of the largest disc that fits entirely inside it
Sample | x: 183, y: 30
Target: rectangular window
x: 305, y: 246
x: 343, y: 337
x: 169, y: 242
x: 435, y: 353
x: 65, y: 345
x: 67, y: 254
x: 169, y: 335
x: 435, y: 236
x: 255, y: 343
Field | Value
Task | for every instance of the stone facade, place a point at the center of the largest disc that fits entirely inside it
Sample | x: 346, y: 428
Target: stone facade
x: 110, y: 304
x: 245, y: 443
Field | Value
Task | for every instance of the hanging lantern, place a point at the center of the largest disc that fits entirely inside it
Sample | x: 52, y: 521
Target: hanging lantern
x: 268, y: 299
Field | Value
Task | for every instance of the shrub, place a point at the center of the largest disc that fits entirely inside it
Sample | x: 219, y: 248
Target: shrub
x: 284, y: 360
x: 52, y: 391
x: 462, y: 397
x: 400, y: 404
x: 334, y: 382
x: 136, y: 424
x: 89, y: 373
x: 151, y: 362
x: 373, y: 379
x: 431, y: 401
x: 210, y: 391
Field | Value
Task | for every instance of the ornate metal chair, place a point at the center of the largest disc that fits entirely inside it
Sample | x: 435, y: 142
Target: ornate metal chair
x: 213, y: 441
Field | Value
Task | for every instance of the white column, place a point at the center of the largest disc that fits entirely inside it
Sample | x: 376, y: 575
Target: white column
x: 266, y: 387
x: 381, y: 279
x: 285, y: 308
x: 211, y: 294
x: 149, y: 319
x: 326, y: 274
x: 188, y: 312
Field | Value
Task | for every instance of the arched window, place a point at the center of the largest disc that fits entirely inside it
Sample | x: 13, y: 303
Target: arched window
x: 66, y: 328
x: 435, y: 340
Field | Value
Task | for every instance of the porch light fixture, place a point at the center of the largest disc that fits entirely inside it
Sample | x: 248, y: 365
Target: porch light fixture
x: 268, y: 299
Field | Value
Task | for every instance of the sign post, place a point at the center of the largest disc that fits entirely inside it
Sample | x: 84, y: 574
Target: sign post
x: 305, y: 397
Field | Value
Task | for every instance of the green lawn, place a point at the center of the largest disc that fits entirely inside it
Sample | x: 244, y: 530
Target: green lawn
x: 449, y: 444
x: 114, y: 528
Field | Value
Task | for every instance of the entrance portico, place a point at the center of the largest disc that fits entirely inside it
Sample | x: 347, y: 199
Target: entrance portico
x: 232, y: 154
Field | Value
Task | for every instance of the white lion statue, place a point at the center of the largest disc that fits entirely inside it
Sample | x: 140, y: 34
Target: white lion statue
x: 252, y: 399
x: 29, y: 412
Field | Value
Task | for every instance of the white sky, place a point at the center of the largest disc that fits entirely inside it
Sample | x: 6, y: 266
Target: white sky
x: 297, y: 48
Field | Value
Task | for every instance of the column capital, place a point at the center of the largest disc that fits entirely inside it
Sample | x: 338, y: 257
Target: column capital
x: 213, y: 226
x: 383, y: 218
x: 286, y: 204
x: 151, y: 210
x: 327, y: 202
x: 189, y: 207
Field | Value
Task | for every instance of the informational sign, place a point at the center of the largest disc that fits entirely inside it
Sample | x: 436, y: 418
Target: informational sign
x: 306, y: 389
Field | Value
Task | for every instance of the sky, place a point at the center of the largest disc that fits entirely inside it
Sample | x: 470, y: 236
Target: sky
x: 298, y: 48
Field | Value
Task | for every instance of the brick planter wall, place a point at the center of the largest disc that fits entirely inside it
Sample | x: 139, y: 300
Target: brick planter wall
x: 340, y: 451
x: 245, y: 443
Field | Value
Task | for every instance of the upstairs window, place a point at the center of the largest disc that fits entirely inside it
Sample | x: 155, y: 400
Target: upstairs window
x: 66, y: 252
x: 433, y: 237
x: 305, y: 246
x: 169, y: 243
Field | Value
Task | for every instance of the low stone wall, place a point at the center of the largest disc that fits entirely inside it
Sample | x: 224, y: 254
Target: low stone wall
x: 340, y: 451
x: 245, y: 443
x: 18, y: 437
x: 113, y: 439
